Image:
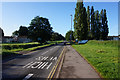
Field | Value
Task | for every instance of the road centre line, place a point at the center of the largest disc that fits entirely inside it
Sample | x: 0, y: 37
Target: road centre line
x: 28, y: 76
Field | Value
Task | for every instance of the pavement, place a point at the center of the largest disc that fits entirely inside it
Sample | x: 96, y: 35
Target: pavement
x: 75, y: 66
x: 35, y: 65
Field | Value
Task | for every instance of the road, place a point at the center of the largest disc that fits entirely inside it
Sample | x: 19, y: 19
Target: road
x: 32, y: 66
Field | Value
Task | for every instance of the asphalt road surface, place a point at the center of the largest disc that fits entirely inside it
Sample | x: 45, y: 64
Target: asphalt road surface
x: 32, y: 66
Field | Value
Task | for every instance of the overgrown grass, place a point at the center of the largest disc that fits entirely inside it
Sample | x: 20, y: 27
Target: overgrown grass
x: 103, y: 55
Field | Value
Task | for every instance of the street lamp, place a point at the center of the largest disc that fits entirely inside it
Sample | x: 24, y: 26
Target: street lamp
x: 71, y: 30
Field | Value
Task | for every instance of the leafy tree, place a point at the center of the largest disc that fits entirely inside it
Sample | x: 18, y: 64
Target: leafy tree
x: 80, y: 22
x: 23, y: 31
x: 68, y: 34
x: 88, y: 22
x: 102, y: 22
x: 104, y: 26
x: 2, y: 32
x: 40, y: 29
x: 85, y: 26
x: 92, y: 23
x: 15, y: 33
x: 97, y: 26
x: 56, y: 36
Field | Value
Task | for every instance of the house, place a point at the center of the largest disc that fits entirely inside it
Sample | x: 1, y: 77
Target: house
x: 113, y: 37
x: 7, y: 39
x: 23, y: 39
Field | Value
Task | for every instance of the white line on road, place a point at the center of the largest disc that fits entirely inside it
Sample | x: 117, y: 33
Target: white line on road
x: 28, y: 76
x: 27, y: 64
x: 49, y: 65
x: 41, y: 65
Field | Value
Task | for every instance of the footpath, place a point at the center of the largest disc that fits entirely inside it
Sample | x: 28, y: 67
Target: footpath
x: 75, y: 66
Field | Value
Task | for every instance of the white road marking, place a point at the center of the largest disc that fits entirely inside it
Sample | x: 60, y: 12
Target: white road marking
x: 44, y: 65
x: 51, y: 58
x: 27, y: 64
x: 41, y: 65
x: 49, y: 65
x: 37, y: 65
x: 31, y: 65
x: 55, y: 58
x: 28, y: 76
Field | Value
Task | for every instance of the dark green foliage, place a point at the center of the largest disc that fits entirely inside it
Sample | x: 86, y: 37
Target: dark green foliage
x: 67, y: 36
x: 90, y: 24
x: 25, y: 46
x: 15, y: 33
x: 23, y: 31
x: 104, y: 27
x: 80, y: 22
x: 40, y: 29
x: 56, y: 36
x: 1, y: 32
x: 97, y: 26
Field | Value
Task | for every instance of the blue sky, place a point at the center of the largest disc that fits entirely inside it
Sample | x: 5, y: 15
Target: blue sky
x: 15, y: 14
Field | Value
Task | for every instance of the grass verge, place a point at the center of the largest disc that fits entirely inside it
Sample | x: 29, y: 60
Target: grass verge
x: 9, y: 49
x: 103, y: 55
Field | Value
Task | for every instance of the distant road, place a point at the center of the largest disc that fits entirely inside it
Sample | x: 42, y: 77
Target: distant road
x: 35, y: 65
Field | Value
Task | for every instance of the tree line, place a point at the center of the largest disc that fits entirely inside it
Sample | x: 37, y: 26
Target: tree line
x: 39, y: 30
x: 90, y: 24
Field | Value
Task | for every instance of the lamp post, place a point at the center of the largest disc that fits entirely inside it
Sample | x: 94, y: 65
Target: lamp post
x: 71, y: 30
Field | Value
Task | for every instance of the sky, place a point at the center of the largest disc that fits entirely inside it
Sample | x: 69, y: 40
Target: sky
x: 15, y: 14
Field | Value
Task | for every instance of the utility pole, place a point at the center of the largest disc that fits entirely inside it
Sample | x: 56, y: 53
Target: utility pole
x: 71, y: 30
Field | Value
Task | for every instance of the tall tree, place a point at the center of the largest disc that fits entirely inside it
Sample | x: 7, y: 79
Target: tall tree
x: 80, y: 22
x: 102, y: 22
x: 92, y: 23
x: 40, y: 29
x: 15, y: 33
x: 85, y: 26
x: 77, y: 20
x: 68, y: 34
x: 1, y: 32
x: 88, y: 21
x: 23, y: 31
x: 105, y: 26
x: 56, y: 36
x: 97, y: 25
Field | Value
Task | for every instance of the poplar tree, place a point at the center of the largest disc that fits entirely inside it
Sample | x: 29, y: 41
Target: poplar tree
x: 88, y: 21
x: 105, y: 26
x: 101, y: 29
x: 80, y: 22
x: 92, y: 23
x: 97, y: 26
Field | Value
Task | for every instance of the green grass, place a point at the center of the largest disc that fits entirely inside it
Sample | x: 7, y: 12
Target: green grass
x: 103, y: 55
x: 14, y: 48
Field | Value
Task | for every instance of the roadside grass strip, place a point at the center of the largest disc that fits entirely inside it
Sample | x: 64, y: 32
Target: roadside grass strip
x: 14, y: 48
x: 103, y: 55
